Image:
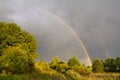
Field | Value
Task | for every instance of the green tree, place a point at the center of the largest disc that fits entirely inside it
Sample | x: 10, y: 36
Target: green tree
x: 98, y: 66
x: 42, y: 67
x: 61, y: 67
x: 118, y: 64
x: 73, y: 61
x: 54, y: 62
x: 12, y: 35
x: 17, y: 60
x: 17, y: 49
x: 110, y: 65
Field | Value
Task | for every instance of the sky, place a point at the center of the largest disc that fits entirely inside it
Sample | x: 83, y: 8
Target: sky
x: 60, y: 26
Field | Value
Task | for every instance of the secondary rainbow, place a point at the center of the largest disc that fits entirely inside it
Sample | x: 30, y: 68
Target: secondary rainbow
x: 101, y: 42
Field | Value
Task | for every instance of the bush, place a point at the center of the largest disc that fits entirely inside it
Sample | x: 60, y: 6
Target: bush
x: 17, y: 61
x: 70, y: 74
x: 83, y: 70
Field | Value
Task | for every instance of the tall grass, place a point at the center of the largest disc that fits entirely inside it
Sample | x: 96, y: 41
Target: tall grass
x: 38, y: 76
x: 34, y: 76
x: 103, y: 76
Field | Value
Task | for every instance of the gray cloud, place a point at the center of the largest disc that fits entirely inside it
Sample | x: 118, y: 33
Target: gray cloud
x: 96, y: 22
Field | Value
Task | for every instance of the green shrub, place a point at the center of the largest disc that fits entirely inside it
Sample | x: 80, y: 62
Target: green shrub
x: 83, y: 70
x: 72, y: 75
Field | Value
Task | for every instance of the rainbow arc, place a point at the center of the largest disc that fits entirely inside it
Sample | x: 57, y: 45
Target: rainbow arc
x: 71, y: 29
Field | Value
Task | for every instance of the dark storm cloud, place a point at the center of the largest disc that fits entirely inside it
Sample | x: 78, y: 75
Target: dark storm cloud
x: 102, y: 16
x: 97, y: 22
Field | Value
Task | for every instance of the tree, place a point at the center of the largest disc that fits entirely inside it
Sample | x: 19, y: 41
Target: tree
x: 17, y: 61
x: 42, y: 67
x: 17, y: 49
x: 61, y: 67
x: 110, y: 65
x: 118, y: 64
x: 98, y: 66
x: 73, y: 61
x: 12, y: 35
x: 54, y: 62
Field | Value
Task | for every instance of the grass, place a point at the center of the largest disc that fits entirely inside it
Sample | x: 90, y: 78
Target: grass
x: 36, y: 76
x: 103, y: 76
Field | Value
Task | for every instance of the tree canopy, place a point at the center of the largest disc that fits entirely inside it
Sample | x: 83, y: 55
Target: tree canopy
x: 98, y: 66
x: 73, y: 61
x: 12, y: 35
x: 17, y: 49
x: 110, y: 65
x: 118, y: 64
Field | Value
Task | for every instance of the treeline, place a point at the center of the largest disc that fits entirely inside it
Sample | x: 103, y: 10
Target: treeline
x: 72, y: 69
x: 18, y: 51
x: 109, y: 65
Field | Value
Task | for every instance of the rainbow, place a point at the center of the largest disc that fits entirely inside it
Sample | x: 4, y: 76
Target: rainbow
x: 101, y: 42
x: 75, y: 34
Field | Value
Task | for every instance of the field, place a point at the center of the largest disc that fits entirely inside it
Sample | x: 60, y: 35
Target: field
x: 34, y: 76
x: 104, y: 76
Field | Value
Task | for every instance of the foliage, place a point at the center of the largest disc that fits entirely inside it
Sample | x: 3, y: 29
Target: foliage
x: 57, y: 65
x: 42, y: 67
x: 73, y: 61
x: 110, y: 65
x: 17, y: 49
x: 98, y: 66
x: 12, y: 35
x: 72, y: 75
x: 118, y: 64
x: 54, y: 62
x: 17, y: 60
x: 62, y: 67
x: 83, y: 70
